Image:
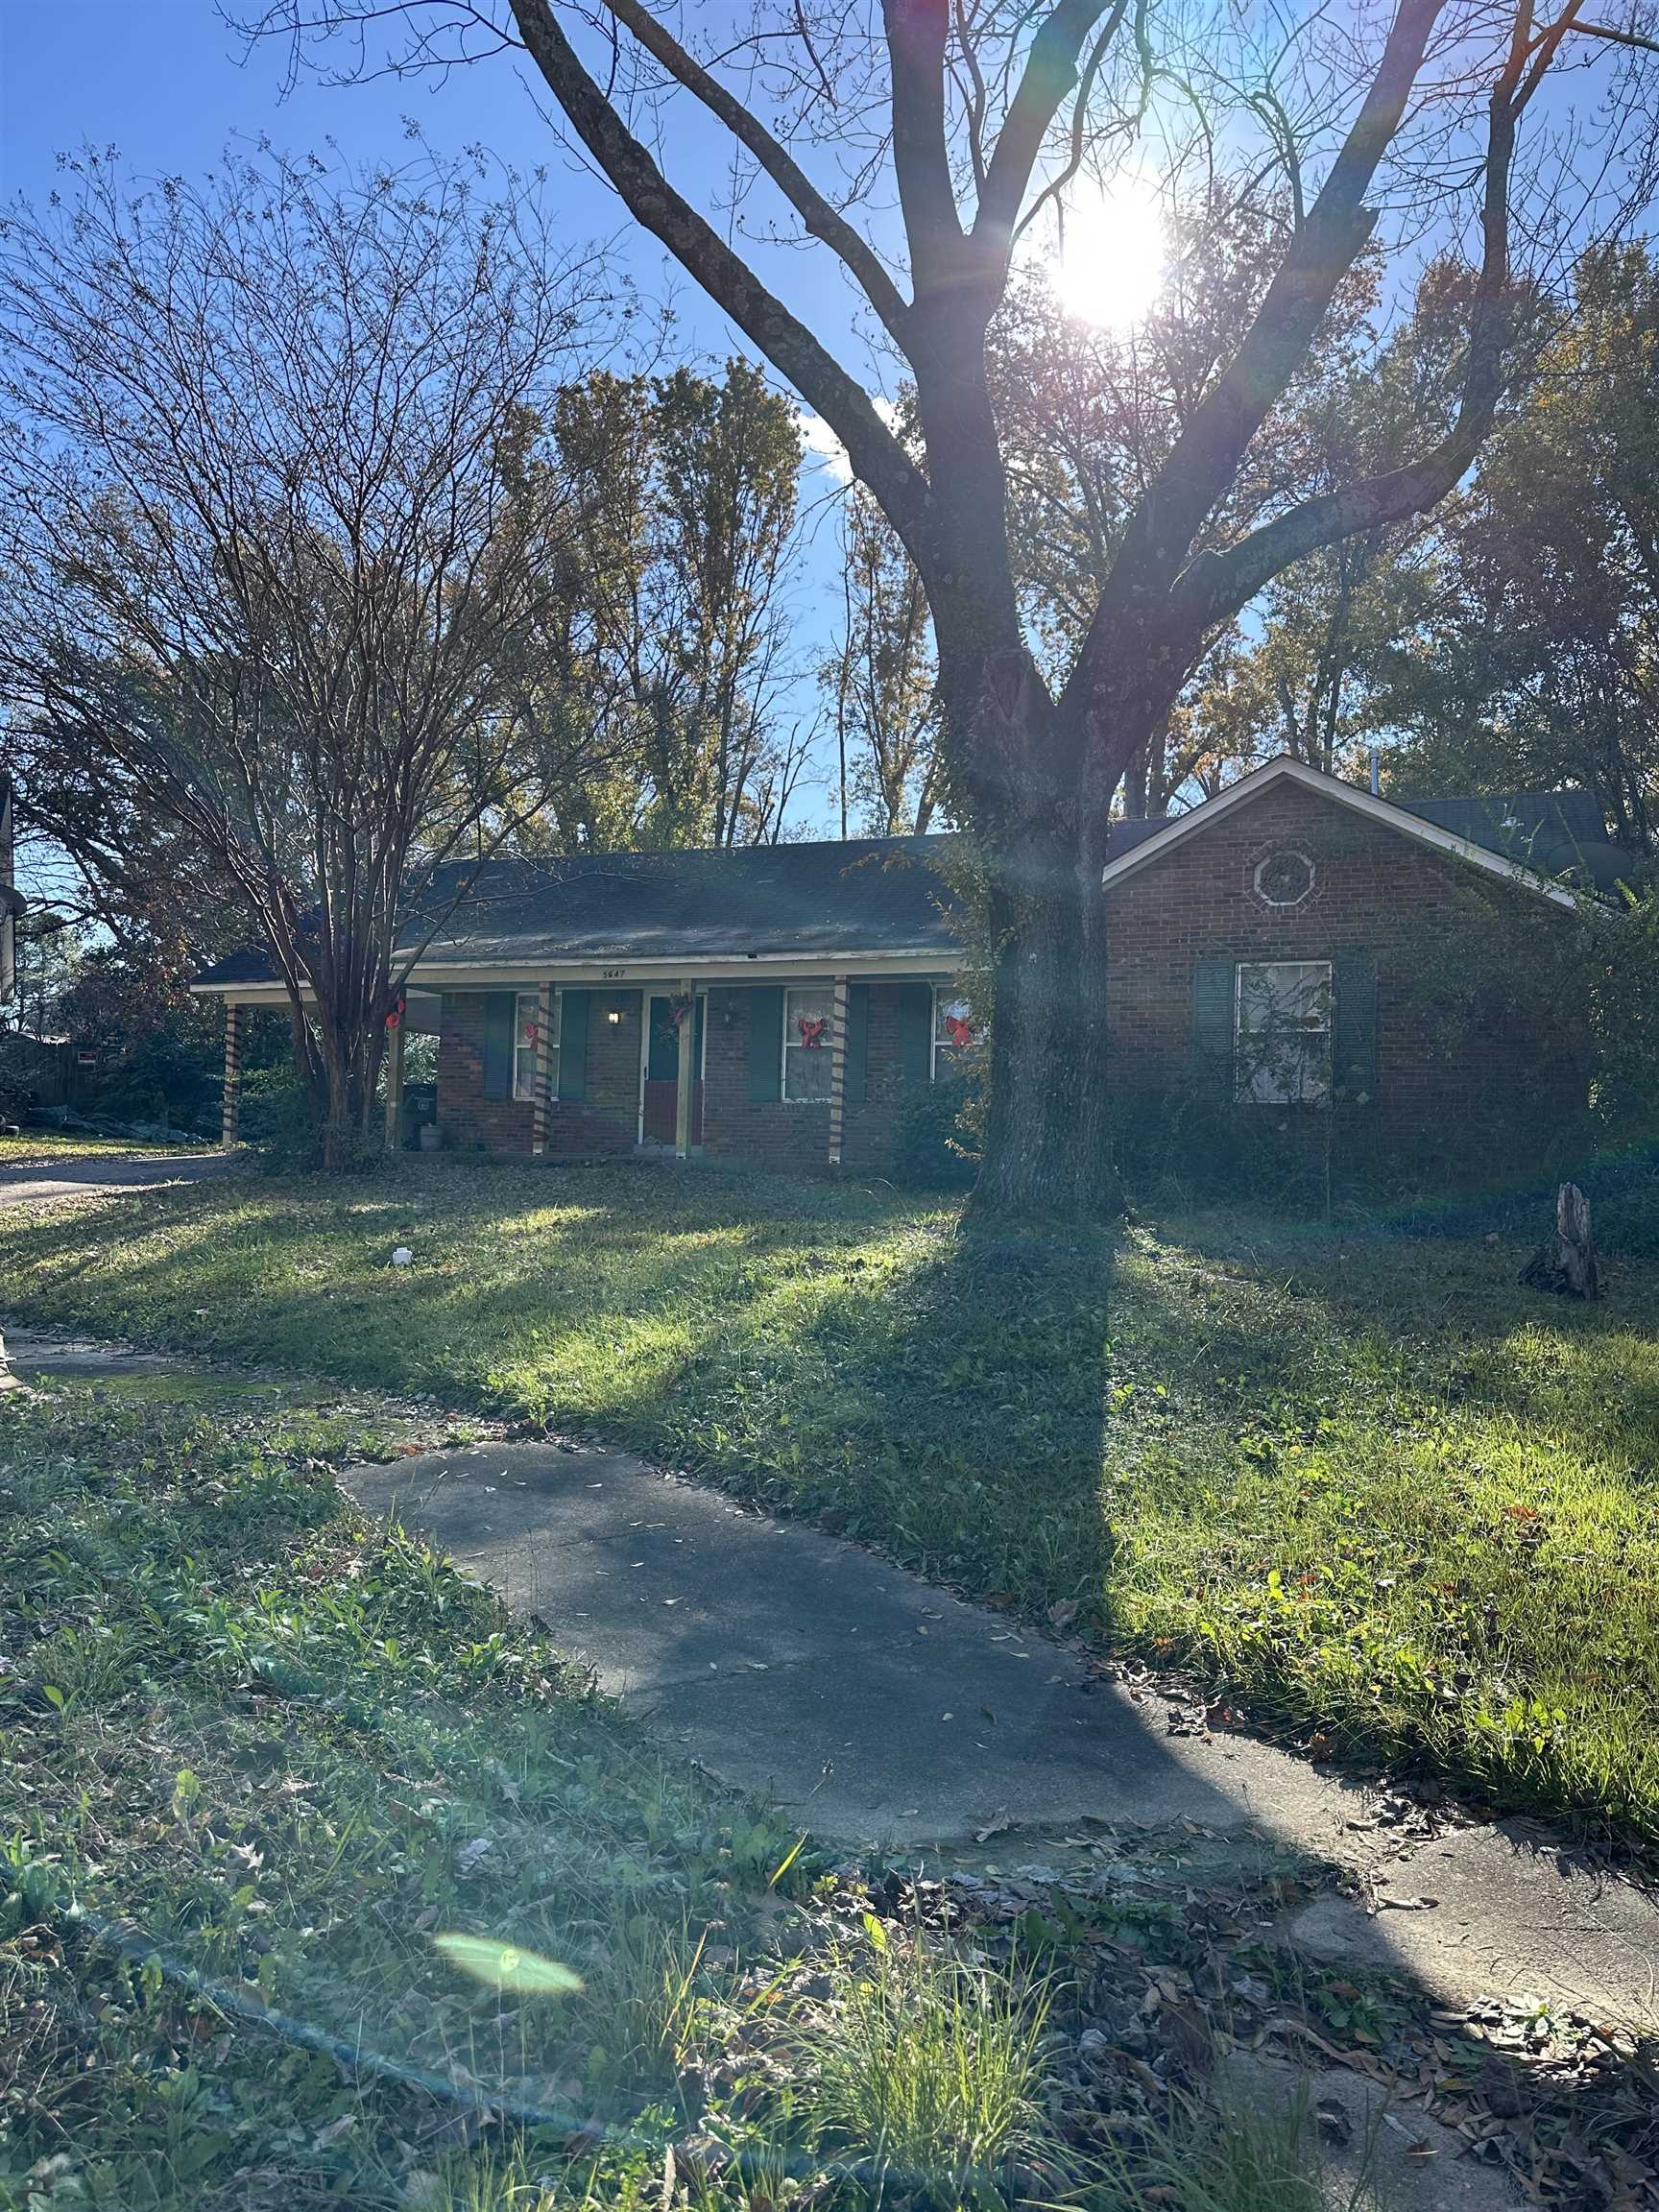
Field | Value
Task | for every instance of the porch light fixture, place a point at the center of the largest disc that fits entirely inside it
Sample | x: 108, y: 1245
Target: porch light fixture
x: 613, y: 1013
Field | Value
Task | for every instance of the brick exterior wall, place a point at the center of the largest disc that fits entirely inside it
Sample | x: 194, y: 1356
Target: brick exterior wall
x: 1374, y: 891
x: 780, y: 1135
x: 607, y: 1120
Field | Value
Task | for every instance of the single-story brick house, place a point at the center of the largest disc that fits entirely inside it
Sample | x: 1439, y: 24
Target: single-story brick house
x: 774, y: 1003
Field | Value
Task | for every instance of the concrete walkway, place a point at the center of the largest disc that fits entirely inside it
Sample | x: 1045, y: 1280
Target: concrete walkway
x: 880, y: 1709
x: 39, y: 1183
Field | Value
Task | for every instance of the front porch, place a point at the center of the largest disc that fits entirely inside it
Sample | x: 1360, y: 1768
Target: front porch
x: 803, y: 1073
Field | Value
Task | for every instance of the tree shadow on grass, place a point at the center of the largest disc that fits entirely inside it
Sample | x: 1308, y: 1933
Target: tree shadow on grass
x: 974, y: 1417
x: 1291, y: 1307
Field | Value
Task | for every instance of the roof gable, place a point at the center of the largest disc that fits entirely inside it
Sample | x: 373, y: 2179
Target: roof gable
x: 1406, y: 822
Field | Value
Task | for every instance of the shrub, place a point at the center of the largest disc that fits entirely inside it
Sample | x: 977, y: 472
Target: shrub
x: 933, y: 1147
x: 162, y: 1078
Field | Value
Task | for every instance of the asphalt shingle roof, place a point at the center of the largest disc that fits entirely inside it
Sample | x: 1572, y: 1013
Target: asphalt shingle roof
x: 834, y: 900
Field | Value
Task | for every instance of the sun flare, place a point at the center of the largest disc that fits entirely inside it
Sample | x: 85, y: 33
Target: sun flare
x: 1113, y: 259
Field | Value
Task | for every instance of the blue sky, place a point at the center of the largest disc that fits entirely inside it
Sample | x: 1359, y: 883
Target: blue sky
x: 167, y: 84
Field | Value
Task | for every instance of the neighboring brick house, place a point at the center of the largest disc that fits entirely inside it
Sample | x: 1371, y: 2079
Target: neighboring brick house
x: 775, y: 1004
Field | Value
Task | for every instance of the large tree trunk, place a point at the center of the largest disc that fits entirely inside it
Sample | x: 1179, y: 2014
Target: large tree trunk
x: 1044, y: 800
x: 1047, y: 1140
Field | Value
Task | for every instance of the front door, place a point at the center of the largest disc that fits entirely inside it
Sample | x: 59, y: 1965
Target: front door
x: 661, y: 1076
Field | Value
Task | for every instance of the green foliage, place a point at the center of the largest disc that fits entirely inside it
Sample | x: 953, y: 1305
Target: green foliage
x: 933, y: 1149
x: 1532, y: 661
x: 931, y: 2068
x: 663, y: 650
x: 1621, y: 963
x: 164, y: 1078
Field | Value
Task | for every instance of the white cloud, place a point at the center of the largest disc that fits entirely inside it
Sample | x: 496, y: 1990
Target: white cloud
x: 823, y: 449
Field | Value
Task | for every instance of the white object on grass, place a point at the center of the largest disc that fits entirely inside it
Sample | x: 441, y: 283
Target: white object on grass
x: 402, y: 1256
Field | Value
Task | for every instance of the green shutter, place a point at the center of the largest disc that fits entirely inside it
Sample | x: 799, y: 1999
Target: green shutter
x: 1212, y: 1015
x: 1353, y: 1044
x: 765, y: 1045
x: 573, y: 1044
x: 500, y: 1015
x: 858, y: 1042
x: 915, y: 1032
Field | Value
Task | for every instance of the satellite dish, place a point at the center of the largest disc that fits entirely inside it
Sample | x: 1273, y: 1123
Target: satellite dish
x: 1593, y: 863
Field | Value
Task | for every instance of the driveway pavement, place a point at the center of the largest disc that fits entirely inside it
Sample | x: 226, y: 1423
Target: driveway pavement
x: 37, y: 1183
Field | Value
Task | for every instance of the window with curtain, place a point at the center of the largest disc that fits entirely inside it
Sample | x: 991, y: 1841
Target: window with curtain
x: 808, y: 1013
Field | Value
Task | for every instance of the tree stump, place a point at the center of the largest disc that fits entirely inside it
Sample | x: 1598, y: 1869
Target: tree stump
x: 1566, y: 1263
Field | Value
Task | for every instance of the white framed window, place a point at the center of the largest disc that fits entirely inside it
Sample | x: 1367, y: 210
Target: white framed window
x: 1282, y: 1032
x: 952, y: 1028
x: 809, y: 1017
x: 527, y: 1017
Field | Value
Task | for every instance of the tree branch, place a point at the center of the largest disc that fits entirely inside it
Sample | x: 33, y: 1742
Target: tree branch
x: 1205, y: 458
x: 916, y: 38
x: 821, y: 220
x: 1633, y: 38
x: 1050, y: 73
x: 1217, y: 585
x: 875, y: 454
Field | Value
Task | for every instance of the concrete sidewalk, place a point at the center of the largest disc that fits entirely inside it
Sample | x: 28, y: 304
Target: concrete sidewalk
x: 882, y: 1710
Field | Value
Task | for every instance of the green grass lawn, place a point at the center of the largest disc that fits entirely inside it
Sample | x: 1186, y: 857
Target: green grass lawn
x: 1375, y: 1491
x: 321, y: 1883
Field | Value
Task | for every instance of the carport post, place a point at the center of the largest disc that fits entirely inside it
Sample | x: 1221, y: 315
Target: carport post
x: 838, y: 1072
x: 543, y: 1069
x: 230, y: 1102
x: 395, y: 1082
x: 686, y: 1070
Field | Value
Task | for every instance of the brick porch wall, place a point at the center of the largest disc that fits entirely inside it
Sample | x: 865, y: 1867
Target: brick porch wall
x: 778, y: 1135
x: 605, y: 1122
x: 775, y: 1134
x: 1374, y: 890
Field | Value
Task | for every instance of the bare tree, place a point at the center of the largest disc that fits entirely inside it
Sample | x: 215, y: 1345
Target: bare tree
x: 981, y: 117
x: 278, y: 544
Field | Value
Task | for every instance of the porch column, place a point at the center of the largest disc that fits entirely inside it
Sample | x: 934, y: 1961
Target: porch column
x: 231, y: 1098
x: 543, y: 1069
x: 394, y: 1083
x: 839, y: 1071
x: 685, y: 1074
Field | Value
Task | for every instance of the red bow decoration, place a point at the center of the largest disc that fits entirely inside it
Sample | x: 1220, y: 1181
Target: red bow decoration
x: 960, y: 1032
x: 395, y: 1019
x: 812, y: 1032
x: 680, y: 1010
